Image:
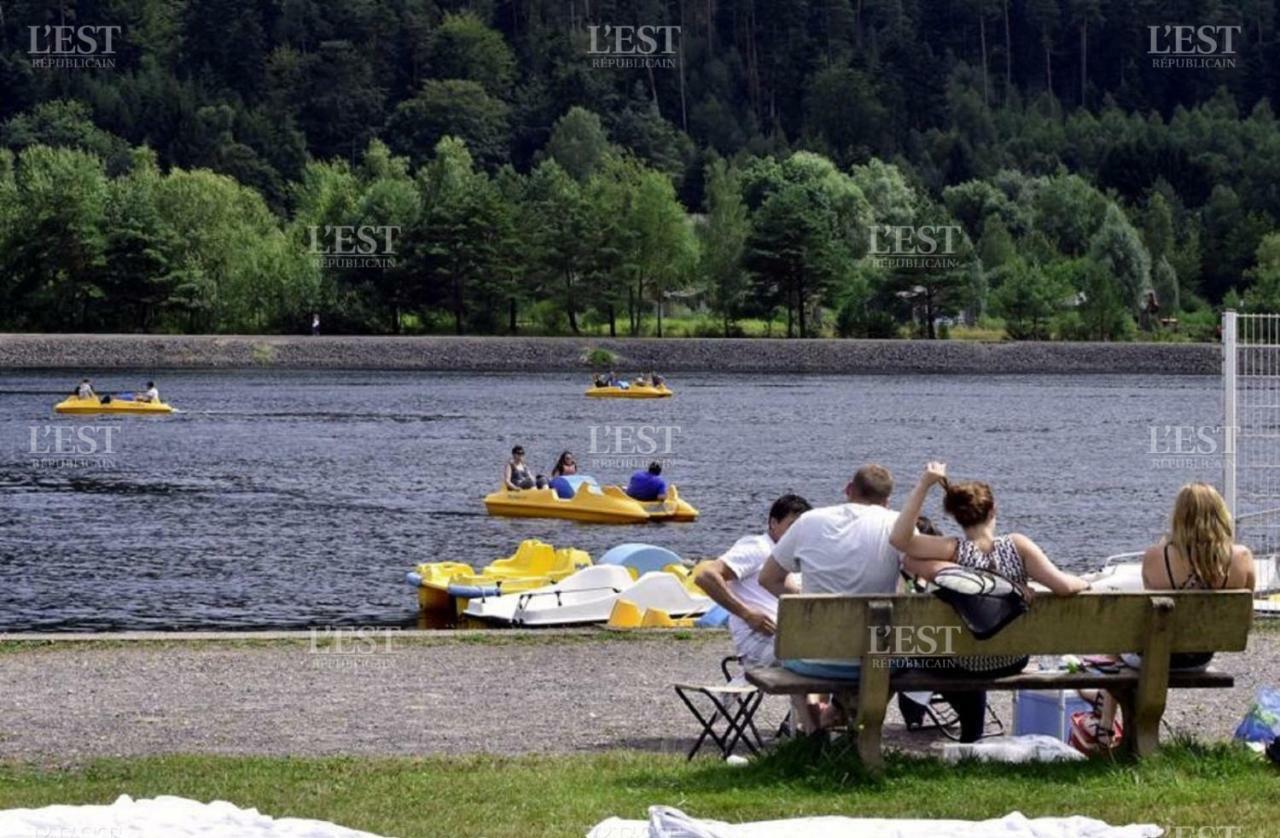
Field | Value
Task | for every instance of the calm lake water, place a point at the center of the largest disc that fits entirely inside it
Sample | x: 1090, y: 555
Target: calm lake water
x: 292, y: 499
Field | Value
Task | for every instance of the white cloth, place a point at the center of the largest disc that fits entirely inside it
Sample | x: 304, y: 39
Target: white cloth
x: 1031, y: 747
x: 153, y: 395
x: 666, y: 822
x: 85, y: 391
x: 745, y: 558
x: 842, y: 550
x: 165, y: 817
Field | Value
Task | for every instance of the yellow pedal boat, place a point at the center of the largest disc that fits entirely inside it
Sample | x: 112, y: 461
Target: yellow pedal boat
x: 590, y: 504
x: 74, y: 404
x: 633, y: 391
x: 534, y: 564
x: 672, y: 509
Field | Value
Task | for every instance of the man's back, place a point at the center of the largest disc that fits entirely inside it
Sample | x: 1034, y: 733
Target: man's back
x: 842, y: 550
x: 646, y: 486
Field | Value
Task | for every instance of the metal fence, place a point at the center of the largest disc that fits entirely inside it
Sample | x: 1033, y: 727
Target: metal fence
x: 1251, y: 427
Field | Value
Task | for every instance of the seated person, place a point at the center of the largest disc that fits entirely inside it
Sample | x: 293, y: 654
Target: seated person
x: 733, y: 581
x: 1014, y: 556
x: 85, y: 390
x: 515, y: 475
x: 1198, y: 554
x: 150, y: 395
x: 648, y: 485
x: 656, y: 379
x: 566, y: 466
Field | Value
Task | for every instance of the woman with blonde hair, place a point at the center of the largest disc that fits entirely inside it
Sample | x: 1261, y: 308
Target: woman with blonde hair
x: 1199, y: 553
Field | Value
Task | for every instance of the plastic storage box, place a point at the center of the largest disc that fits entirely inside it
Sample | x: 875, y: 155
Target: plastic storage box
x: 1046, y: 711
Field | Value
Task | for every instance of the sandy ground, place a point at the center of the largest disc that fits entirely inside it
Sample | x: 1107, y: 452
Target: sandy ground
x: 481, y: 693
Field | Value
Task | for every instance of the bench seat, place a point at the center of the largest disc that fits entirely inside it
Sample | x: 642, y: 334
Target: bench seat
x: 777, y: 680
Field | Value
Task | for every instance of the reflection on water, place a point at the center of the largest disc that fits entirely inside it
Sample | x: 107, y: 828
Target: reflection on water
x: 291, y: 499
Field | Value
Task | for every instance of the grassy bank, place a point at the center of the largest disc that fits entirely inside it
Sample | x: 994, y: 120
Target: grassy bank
x: 1186, y: 785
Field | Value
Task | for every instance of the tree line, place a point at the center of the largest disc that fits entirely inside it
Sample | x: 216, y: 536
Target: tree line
x: 857, y: 168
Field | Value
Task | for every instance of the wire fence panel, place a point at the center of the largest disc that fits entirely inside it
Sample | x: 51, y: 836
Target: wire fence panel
x: 1251, y: 410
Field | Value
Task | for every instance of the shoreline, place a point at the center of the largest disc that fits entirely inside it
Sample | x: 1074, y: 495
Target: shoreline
x: 569, y: 354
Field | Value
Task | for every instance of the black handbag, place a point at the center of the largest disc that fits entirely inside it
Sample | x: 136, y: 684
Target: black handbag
x: 985, y: 600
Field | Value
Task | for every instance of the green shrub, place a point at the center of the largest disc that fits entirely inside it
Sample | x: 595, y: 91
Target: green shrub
x: 549, y: 318
x: 600, y: 358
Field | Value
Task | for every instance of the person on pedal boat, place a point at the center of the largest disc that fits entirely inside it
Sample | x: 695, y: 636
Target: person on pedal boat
x: 648, y: 485
x: 565, y: 466
x: 151, y: 395
x: 85, y: 390
x: 516, y: 474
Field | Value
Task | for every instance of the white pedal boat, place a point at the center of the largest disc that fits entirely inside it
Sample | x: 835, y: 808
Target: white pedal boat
x: 589, y: 595
x: 589, y: 583
x: 1123, y: 572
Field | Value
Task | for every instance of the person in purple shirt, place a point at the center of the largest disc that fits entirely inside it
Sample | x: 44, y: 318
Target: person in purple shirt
x: 648, y: 485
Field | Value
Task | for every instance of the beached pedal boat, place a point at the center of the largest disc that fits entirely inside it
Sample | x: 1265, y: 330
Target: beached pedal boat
x: 76, y: 405
x: 534, y: 564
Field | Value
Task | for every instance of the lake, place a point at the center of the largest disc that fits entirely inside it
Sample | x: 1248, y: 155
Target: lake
x: 288, y: 499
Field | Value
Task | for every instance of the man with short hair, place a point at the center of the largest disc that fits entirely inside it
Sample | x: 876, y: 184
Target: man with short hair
x: 732, y: 581
x: 841, y: 549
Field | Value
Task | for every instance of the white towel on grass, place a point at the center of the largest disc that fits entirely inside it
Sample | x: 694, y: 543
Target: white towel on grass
x: 665, y: 822
x: 163, y: 817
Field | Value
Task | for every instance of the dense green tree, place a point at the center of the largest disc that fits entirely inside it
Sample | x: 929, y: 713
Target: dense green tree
x: 724, y: 233
x: 1027, y: 299
x: 579, y: 144
x: 451, y: 108
x: 1117, y: 248
x: 462, y: 246
x: 463, y: 47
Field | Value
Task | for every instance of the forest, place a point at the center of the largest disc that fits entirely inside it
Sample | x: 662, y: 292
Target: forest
x: 1021, y: 169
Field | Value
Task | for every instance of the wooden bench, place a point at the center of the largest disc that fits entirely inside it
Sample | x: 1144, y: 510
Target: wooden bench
x: 873, y: 629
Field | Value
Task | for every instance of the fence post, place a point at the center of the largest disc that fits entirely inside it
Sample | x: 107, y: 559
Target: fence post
x: 1229, y: 361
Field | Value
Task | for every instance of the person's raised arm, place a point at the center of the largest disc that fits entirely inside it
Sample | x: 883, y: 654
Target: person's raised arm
x: 714, y: 578
x: 1044, y: 571
x: 904, y: 537
x: 773, y: 577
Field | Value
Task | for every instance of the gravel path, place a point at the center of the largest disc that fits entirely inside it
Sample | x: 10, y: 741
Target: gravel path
x: 481, y: 693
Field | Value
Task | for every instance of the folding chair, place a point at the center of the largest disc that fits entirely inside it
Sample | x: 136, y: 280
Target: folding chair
x: 734, y: 706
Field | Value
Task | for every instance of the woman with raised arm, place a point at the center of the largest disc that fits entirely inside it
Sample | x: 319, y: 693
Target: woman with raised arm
x: 973, y: 506
x: 1015, y: 557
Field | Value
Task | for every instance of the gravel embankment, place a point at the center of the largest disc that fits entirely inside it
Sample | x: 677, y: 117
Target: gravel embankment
x: 487, y: 694
x: 514, y: 354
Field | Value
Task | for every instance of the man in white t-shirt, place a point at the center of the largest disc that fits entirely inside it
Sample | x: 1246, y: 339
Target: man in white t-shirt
x: 733, y: 582
x: 841, y: 549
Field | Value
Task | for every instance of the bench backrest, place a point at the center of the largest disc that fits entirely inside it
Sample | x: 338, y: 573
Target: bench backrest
x: 842, y: 627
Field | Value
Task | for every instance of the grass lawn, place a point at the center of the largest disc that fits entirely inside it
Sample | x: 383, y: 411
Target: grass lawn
x: 1186, y: 785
